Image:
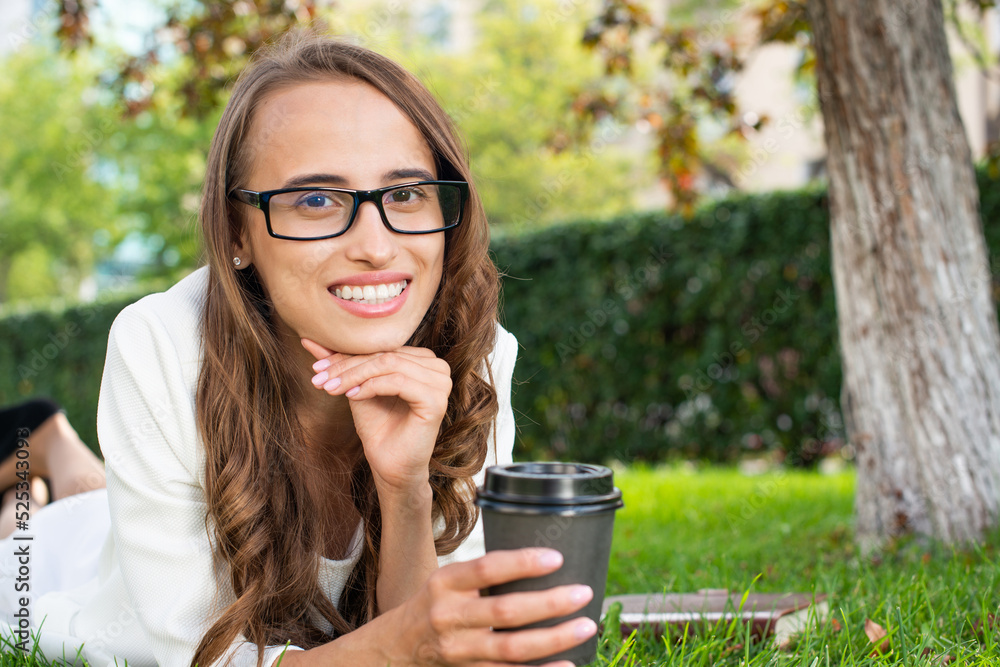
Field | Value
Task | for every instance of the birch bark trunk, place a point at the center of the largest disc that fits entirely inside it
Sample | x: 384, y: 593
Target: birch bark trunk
x: 918, y: 329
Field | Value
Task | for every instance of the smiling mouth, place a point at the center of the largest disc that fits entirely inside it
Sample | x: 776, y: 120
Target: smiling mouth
x: 370, y: 294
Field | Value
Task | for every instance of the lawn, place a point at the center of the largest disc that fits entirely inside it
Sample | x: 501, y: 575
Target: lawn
x: 685, y: 528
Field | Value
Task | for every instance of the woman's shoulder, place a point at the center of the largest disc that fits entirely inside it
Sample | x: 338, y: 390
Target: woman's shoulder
x: 182, y: 302
x: 150, y: 378
x: 173, y: 315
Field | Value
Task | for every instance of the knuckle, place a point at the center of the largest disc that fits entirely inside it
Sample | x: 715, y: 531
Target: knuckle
x: 507, y: 648
x: 437, y: 584
x: 527, y: 559
x: 449, y: 648
x: 387, y: 360
x: 505, y: 612
x: 556, y: 602
x: 481, y: 569
x: 439, y: 618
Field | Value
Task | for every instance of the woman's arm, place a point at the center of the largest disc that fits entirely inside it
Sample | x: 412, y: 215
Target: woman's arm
x: 448, y: 623
x: 406, y: 554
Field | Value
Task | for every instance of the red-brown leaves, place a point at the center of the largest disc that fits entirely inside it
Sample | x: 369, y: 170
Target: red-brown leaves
x: 876, y: 633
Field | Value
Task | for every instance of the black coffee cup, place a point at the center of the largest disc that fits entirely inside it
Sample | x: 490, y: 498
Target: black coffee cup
x: 569, y: 507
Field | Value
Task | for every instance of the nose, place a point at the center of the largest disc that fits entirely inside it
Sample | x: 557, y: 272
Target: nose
x: 369, y: 241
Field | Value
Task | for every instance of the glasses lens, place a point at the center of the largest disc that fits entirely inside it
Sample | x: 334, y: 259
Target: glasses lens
x: 423, y: 207
x: 310, y: 213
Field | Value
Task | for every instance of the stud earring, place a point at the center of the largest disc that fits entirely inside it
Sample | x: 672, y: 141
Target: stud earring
x: 237, y: 261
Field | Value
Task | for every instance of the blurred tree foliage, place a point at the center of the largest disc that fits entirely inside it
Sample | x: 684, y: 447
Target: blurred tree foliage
x: 172, y: 95
x: 55, y: 190
x: 677, y: 74
x: 511, y: 99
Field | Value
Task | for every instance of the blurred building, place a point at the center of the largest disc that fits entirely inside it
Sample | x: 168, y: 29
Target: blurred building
x: 789, y: 151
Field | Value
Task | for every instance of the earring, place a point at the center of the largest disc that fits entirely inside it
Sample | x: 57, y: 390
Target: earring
x: 237, y: 261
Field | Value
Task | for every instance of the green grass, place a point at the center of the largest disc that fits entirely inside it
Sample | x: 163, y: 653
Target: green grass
x: 684, y: 529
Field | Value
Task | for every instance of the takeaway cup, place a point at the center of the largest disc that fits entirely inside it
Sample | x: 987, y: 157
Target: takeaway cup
x: 569, y: 507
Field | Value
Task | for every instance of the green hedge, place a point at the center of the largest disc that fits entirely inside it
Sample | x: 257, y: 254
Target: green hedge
x: 647, y: 335
x: 642, y: 337
x: 60, y: 353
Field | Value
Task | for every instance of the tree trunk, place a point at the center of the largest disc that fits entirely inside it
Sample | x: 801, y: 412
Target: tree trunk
x: 918, y: 329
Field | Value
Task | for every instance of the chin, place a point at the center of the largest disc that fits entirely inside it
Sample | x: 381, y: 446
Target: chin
x: 368, y: 345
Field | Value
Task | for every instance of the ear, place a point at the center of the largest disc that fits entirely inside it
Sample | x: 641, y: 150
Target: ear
x: 243, y: 250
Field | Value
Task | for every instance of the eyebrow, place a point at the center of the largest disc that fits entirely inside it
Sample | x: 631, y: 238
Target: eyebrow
x: 337, y: 180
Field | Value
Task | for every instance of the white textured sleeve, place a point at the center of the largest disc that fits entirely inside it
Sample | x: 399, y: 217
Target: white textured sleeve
x: 148, y: 434
x: 499, y: 452
x: 503, y: 373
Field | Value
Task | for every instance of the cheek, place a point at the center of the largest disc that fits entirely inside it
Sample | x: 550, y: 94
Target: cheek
x: 436, y: 255
x: 290, y: 277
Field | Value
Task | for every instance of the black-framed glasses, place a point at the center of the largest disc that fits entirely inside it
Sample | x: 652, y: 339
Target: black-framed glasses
x: 314, y: 213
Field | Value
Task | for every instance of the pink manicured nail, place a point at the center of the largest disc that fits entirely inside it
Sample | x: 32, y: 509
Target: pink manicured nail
x: 321, y: 365
x: 581, y: 594
x: 584, y: 628
x: 550, y: 558
x: 320, y: 378
x: 332, y: 384
x: 353, y: 392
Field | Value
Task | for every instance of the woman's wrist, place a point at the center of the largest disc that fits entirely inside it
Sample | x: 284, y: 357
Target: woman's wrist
x: 415, y: 496
x: 406, y: 553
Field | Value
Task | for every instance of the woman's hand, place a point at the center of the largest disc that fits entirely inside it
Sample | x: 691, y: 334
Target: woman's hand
x: 398, y: 400
x: 447, y: 623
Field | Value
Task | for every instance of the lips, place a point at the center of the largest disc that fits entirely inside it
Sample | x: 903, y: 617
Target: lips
x: 370, y: 294
x: 374, y: 294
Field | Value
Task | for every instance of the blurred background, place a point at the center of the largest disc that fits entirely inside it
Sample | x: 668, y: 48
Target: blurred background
x: 653, y: 173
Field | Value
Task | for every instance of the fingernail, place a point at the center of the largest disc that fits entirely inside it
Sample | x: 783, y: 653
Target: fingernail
x: 550, y: 558
x: 321, y: 365
x: 332, y: 384
x: 320, y: 378
x: 584, y: 628
x: 581, y: 594
x: 352, y: 392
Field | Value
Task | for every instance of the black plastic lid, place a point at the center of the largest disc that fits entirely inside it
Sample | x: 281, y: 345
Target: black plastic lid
x: 550, y: 483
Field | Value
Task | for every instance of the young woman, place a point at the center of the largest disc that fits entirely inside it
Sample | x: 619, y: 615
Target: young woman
x: 293, y: 433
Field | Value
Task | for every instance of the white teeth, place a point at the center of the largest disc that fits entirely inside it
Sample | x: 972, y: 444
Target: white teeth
x: 371, y: 294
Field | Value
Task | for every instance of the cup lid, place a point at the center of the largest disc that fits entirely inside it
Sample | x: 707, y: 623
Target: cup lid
x: 550, y: 483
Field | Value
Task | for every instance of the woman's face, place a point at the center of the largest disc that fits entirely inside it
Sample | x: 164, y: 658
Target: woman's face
x: 341, y: 134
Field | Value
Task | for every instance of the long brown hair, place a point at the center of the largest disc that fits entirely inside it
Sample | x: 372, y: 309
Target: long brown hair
x: 263, y: 519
